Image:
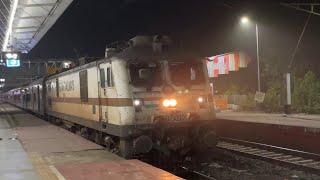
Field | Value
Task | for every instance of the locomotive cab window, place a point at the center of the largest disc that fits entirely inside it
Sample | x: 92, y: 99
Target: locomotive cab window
x: 145, y: 74
x: 186, y: 73
x: 83, y: 86
x: 102, y: 78
x: 109, y: 77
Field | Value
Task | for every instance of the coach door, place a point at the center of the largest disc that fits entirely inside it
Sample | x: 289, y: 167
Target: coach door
x: 38, y: 98
x: 24, y: 100
x: 106, y: 91
x: 33, y: 98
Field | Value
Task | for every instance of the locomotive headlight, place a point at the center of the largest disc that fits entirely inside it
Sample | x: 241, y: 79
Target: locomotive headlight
x: 166, y: 103
x: 169, y: 103
x: 173, y: 102
x: 200, y: 99
x: 137, y: 102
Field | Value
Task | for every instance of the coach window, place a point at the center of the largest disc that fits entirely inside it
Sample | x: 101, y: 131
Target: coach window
x: 83, y: 86
x: 49, y: 88
x: 57, y: 87
x: 109, y: 77
x: 102, y: 78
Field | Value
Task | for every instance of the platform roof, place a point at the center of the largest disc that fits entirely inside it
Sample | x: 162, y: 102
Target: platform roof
x: 24, y: 22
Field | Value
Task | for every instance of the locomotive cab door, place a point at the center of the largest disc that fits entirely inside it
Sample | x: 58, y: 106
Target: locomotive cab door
x: 107, y: 93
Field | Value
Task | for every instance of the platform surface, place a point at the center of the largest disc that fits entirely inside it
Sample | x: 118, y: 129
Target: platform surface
x: 14, y: 160
x: 32, y: 148
x: 301, y: 120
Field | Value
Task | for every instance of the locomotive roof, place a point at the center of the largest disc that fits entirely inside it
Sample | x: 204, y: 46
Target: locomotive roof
x: 78, y: 68
x: 147, y: 54
x: 135, y: 54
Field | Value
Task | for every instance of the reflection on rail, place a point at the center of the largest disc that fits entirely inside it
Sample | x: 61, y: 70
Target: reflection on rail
x: 298, y: 159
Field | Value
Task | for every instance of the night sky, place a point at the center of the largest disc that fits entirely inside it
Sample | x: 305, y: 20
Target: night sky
x: 204, y: 27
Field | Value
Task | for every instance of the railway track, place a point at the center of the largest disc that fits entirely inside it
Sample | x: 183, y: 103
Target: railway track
x: 298, y: 159
x: 193, y: 174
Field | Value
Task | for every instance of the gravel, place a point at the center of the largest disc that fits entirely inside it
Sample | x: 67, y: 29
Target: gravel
x: 224, y: 165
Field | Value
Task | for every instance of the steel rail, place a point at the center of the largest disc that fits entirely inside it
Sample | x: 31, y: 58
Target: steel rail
x: 284, y: 156
x: 197, y: 173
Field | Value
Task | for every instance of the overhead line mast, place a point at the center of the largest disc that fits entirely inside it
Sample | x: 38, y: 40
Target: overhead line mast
x: 312, y: 8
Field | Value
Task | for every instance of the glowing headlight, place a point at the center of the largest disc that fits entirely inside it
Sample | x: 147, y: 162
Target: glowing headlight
x: 166, y: 103
x: 173, y: 102
x: 169, y: 103
x: 137, y: 102
x: 200, y: 99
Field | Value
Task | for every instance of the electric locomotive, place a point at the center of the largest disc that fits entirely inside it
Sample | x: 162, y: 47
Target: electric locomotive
x: 141, y: 96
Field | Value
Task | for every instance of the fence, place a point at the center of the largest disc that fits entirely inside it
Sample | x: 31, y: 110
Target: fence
x: 224, y: 102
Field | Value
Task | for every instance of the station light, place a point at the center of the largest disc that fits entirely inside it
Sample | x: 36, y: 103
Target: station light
x: 13, y: 63
x: 2, y: 80
x: 66, y: 64
x: 245, y: 20
x: 2, y: 62
x: 12, y: 59
x: 13, y: 10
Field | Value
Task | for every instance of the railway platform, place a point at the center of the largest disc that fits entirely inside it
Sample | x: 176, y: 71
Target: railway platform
x: 300, y: 120
x: 31, y: 148
x: 295, y: 131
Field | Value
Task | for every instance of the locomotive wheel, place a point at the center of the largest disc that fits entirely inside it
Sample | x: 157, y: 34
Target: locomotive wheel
x: 97, y: 137
x: 108, y: 142
x: 205, y: 138
x: 126, y: 148
x: 84, y: 132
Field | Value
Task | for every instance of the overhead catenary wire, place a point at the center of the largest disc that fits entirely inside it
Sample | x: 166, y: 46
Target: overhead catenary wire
x: 299, y: 42
x: 4, y: 16
x: 5, y: 6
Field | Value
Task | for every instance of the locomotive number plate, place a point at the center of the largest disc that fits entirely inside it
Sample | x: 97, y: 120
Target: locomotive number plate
x: 177, y: 116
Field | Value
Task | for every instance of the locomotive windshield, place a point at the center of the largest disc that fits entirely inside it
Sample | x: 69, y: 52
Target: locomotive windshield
x: 186, y: 73
x: 145, y: 74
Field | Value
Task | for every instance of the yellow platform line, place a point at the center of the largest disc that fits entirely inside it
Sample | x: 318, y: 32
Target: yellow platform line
x: 44, y: 170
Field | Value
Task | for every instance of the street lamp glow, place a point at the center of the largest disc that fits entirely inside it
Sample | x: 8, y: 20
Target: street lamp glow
x: 244, y: 20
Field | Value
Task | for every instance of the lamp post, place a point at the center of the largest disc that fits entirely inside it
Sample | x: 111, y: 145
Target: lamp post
x: 246, y: 20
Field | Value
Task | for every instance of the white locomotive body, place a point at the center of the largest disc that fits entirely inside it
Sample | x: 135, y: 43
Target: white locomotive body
x: 134, y: 100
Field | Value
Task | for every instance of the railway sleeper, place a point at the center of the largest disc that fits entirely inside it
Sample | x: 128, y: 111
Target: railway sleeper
x: 253, y: 151
x: 275, y: 155
x: 245, y: 148
x: 312, y: 164
x: 302, y: 162
x: 228, y: 145
x: 293, y: 160
x: 266, y: 153
x: 261, y: 152
x: 239, y: 148
x: 282, y: 158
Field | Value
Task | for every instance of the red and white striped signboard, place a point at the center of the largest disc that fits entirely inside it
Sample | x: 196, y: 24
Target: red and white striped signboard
x: 222, y: 64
